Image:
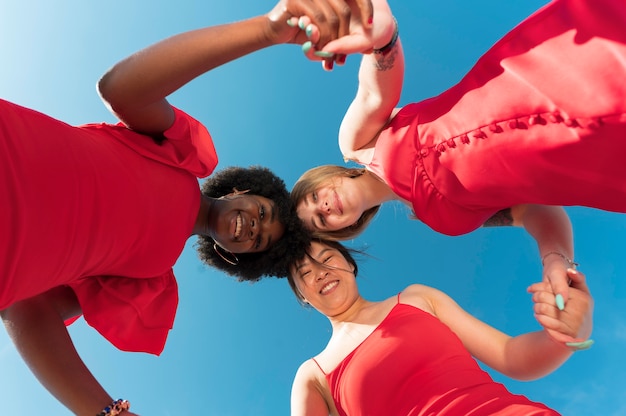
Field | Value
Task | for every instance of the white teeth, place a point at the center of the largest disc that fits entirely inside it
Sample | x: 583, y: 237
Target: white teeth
x: 238, y: 224
x: 329, y: 287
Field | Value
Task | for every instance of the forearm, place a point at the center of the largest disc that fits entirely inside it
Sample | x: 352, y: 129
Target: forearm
x: 42, y: 340
x: 380, y: 78
x: 135, y: 88
x: 551, y: 228
x: 533, y: 355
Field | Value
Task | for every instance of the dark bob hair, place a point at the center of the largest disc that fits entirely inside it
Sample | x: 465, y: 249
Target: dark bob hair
x: 347, y: 253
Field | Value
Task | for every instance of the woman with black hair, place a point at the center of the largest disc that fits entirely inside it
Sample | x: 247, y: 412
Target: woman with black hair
x: 415, y: 353
x: 121, y: 201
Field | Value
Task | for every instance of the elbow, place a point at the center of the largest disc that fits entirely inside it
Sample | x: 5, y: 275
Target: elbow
x: 111, y: 92
x: 105, y: 90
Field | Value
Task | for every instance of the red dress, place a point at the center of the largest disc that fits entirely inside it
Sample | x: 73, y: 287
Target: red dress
x: 104, y: 210
x: 540, y: 118
x: 412, y: 364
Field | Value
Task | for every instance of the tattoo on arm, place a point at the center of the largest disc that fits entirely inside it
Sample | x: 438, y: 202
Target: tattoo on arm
x: 386, y: 61
x: 500, y: 218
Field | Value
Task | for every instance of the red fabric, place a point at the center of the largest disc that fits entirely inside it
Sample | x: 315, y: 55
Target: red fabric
x: 104, y: 210
x: 540, y: 118
x: 412, y: 364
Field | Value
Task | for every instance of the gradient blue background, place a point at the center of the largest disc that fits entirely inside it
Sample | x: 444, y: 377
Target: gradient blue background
x: 235, y: 346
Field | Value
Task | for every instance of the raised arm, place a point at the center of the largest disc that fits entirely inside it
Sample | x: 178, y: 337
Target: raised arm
x: 37, y: 328
x: 380, y: 84
x: 552, y: 230
x: 523, y: 357
x: 136, y: 88
x: 380, y: 75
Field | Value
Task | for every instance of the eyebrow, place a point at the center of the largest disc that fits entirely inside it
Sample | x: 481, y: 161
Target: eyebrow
x: 273, y: 213
x: 320, y: 254
x: 272, y: 218
x: 306, y: 203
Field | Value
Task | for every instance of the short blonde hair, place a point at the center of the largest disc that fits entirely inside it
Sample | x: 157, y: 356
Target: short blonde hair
x: 315, y: 178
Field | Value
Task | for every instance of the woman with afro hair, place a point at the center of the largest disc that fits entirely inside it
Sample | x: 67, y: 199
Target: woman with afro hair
x: 122, y: 200
x: 259, y: 181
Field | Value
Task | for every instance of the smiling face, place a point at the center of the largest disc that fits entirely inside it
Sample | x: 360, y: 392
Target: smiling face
x: 332, y: 206
x: 325, y: 279
x: 243, y: 223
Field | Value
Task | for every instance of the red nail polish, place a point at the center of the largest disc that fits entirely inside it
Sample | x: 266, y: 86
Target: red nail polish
x: 370, y: 20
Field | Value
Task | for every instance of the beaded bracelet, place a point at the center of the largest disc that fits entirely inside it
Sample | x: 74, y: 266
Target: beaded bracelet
x: 385, y: 49
x: 571, y: 262
x: 115, y: 408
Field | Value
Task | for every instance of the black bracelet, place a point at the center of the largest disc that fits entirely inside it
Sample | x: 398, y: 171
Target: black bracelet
x: 385, y: 49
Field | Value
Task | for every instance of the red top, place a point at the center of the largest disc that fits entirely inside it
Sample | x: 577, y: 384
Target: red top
x: 540, y: 118
x: 413, y: 364
x: 104, y: 210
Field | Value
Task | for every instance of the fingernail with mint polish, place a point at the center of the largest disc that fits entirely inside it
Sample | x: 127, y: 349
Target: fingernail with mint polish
x: 306, y: 46
x: 323, y: 54
x: 301, y: 24
x: 309, y: 31
x: 580, y: 346
x: 559, y: 302
x: 290, y: 23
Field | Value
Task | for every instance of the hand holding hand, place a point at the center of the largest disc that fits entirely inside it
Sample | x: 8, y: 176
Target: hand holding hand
x: 331, y: 19
x: 555, y: 273
x: 572, y: 324
x: 358, y: 37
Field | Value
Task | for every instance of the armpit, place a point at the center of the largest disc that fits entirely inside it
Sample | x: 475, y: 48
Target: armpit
x: 500, y: 219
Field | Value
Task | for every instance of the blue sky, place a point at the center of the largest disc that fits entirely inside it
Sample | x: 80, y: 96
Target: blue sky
x: 236, y: 346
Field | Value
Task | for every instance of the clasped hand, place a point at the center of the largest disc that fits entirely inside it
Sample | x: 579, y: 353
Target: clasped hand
x: 573, y: 324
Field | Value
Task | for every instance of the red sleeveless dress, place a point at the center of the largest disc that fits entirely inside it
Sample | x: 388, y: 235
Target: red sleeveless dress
x: 540, y: 118
x: 412, y: 364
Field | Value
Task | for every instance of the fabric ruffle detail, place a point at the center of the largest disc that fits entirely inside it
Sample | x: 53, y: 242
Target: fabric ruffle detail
x: 133, y: 314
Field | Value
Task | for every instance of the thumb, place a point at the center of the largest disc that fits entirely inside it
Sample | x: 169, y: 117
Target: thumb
x: 346, y: 45
x: 579, y: 281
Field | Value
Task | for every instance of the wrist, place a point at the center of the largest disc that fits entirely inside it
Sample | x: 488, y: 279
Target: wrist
x: 556, y: 254
x: 386, y: 48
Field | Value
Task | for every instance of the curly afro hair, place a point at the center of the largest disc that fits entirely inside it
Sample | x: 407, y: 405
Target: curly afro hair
x: 275, y: 261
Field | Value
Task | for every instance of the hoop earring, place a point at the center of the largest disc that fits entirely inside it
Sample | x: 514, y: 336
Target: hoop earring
x: 233, y: 261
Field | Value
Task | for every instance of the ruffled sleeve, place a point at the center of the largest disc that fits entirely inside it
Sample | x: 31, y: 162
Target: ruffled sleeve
x: 133, y: 314
x: 188, y: 144
x: 191, y: 145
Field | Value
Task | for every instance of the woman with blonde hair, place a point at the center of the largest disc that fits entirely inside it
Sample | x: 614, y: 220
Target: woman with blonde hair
x: 538, y: 123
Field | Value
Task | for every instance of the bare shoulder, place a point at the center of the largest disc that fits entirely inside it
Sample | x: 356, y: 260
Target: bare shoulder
x: 361, y: 156
x: 307, y: 369
x: 309, y: 393
x: 309, y: 374
x: 421, y: 296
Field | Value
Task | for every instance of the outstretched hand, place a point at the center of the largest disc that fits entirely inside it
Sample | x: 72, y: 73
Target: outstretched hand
x: 575, y: 322
x: 358, y: 37
x: 331, y: 18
